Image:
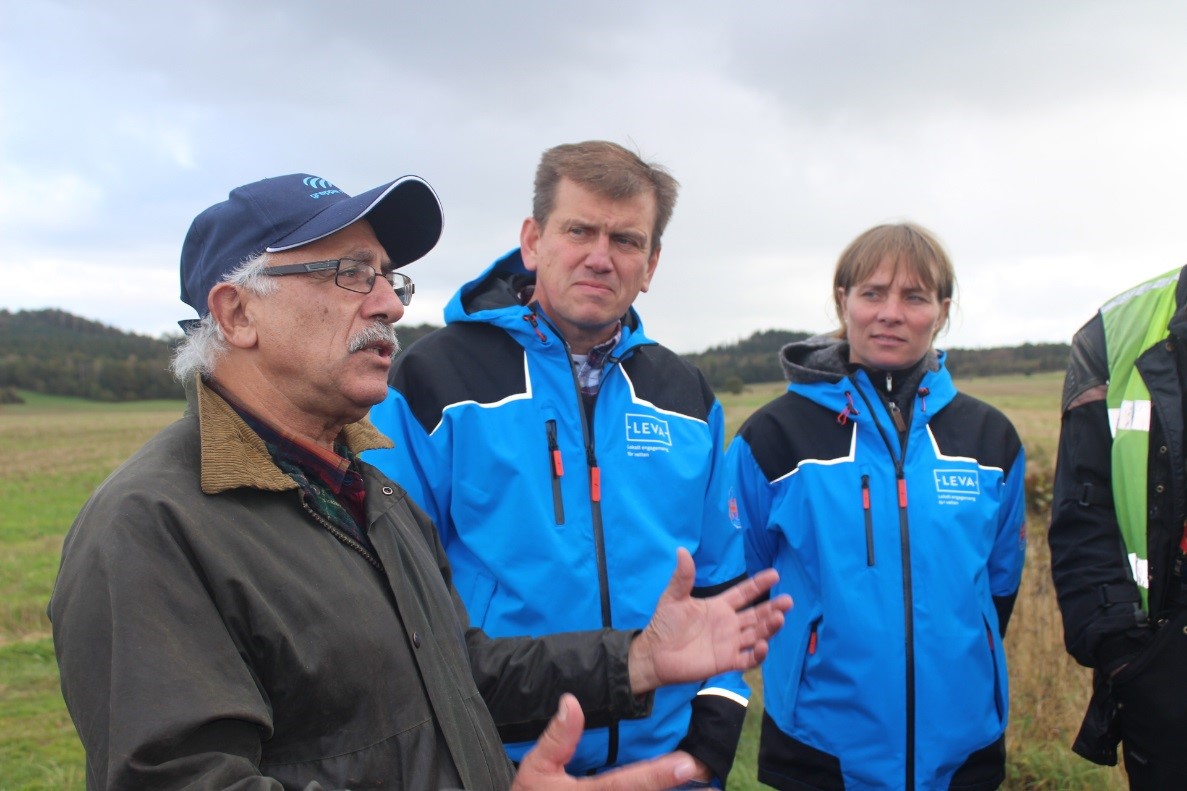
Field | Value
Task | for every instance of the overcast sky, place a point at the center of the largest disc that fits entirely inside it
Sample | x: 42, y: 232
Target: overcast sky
x: 1044, y: 143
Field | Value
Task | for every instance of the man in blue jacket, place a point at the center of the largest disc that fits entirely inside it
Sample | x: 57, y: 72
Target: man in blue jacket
x: 563, y: 454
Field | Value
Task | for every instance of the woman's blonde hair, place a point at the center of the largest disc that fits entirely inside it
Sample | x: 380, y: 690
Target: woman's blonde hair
x: 906, y: 244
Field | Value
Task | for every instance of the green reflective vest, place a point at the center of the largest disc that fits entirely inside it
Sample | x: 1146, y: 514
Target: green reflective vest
x: 1133, y: 322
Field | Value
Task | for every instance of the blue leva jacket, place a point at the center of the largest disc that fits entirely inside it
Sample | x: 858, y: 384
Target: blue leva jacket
x: 902, y: 544
x: 493, y: 442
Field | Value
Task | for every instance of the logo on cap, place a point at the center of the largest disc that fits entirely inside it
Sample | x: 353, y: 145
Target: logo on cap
x: 320, y: 186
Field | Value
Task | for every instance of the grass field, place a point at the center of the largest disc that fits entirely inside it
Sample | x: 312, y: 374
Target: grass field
x: 54, y: 451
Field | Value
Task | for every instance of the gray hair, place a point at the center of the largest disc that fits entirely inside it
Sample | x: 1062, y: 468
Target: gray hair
x: 205, y: 344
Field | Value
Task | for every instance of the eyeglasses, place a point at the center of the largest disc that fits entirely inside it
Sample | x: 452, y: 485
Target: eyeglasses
x: 352, y: 275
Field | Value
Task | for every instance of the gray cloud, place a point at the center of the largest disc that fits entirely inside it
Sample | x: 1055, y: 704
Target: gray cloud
x: 1041, y: 141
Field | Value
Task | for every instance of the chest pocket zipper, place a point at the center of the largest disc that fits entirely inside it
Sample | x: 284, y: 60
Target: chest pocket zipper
x: 556, y: 470
x: 869, y: 519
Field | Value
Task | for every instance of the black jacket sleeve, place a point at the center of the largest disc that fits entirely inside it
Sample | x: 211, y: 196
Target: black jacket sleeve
x: 1099, y: 601
x: 713, y: 732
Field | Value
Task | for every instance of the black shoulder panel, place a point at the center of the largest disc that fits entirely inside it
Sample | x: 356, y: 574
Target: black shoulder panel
x: 792, y: 429
x: 1088, y: 362
x: 973, y: 429
x: 667, y: 380
x: 459, y: 362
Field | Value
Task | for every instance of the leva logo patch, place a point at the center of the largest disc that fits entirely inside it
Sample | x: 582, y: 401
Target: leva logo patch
x: 953, y: 486
x: 647, y: 429
x: 958, y: 481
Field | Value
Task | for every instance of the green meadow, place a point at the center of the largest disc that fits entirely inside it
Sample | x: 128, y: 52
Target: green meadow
x: 54, y: 451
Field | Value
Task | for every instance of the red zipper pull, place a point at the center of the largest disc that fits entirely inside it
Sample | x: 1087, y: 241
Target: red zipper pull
x: 530, y: 318
x: 850, y: 409
x: 554, y: 448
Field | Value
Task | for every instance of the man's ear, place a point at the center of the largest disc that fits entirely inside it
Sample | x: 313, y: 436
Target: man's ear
x: 229, y: 307
x: 529, y: 238
x: 652, y: 263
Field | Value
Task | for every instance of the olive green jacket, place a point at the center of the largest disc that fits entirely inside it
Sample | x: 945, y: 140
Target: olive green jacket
x: 213, y: 632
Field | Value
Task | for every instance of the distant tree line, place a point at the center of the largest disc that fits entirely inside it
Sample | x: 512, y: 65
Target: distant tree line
x: 749, y: 361
x: 51, y: 351
x: 1029, y: 358
x: 55, y: 352
x: 756, y: 359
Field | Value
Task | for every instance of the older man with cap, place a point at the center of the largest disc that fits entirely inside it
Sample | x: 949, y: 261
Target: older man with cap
x: 245, y: 604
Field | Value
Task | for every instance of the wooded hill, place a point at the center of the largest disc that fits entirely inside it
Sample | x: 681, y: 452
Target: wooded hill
x: 756, y: 359
x: 54, y: 352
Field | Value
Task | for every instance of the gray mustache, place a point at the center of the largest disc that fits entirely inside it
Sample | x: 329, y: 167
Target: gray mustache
x: 376, y: 333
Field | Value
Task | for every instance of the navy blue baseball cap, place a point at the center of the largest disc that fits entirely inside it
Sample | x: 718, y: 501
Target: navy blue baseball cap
x: 285, y: 212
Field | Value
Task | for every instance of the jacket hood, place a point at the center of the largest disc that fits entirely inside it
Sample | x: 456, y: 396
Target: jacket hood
x: 818, y: 367
x: 825, y: 358
x: 821, y: 358
x: 505, y: 284
x: 501, y: 295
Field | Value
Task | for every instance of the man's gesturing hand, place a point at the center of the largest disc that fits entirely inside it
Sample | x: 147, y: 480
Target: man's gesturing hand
x: 543, y: 769
x: 692, y: 639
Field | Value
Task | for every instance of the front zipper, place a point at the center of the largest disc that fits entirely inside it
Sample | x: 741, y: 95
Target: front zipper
x: 338, y: 533
x: 591, y: 461
x: 595, y: 498
x: 557, y: 468
x: 595, y: 487
x: 905, y: 552
x: 909, y: 620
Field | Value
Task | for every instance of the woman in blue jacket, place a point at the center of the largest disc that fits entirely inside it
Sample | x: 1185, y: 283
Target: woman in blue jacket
x: 893, y: 508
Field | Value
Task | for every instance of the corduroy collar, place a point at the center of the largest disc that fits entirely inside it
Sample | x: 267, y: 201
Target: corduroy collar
x: 234, y: 456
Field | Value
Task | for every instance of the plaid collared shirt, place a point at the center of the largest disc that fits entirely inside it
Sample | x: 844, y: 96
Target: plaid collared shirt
x: 589, y: 366
x: 334, y: 489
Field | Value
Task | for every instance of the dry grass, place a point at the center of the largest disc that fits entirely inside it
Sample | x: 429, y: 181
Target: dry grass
x: 1048, y: 690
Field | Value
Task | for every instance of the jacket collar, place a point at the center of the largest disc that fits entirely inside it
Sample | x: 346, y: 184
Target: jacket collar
x: 234, y: 456
x: 500, y: 295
